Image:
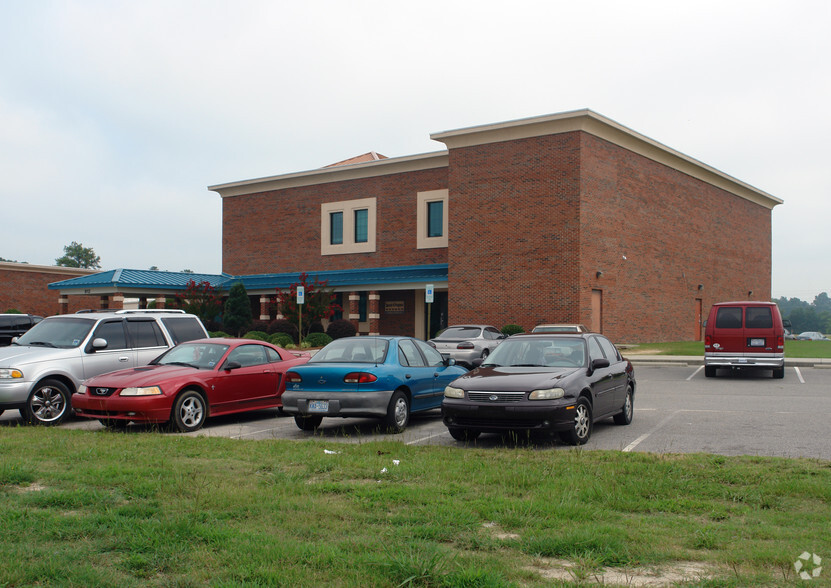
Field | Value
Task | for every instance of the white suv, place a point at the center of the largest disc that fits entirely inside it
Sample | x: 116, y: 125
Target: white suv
x: 42, y: 369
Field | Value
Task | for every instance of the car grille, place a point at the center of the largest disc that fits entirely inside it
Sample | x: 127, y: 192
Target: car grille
x: 498, y: 397
x: 97, y: 391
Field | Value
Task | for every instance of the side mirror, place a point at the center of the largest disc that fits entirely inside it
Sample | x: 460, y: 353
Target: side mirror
x: 232, y: 365
x: 599, y: 363
x: 477, y: 362
x: 99, y: 343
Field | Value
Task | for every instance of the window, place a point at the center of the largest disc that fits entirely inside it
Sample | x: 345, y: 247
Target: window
x: 408, y: 355
x: 758, y: 317
x: 729, y: 317
x: 361, y: 225
x: 145, y: 333
x: 431, y: 219
x: 348, y: 227
x: 435, y: 213
x: 336, y: 228
x: 184, y: 329
x: 113, y: 332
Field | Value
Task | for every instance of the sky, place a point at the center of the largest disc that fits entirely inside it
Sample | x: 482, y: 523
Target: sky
x: 116, y: 115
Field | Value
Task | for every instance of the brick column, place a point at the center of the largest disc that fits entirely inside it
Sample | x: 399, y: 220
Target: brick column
x: 279, y: 306
x: 355, y: 310
x: 63, y: 304
x: 264, y: 304
x: 118, y: 301
x: 103, y: 302
x: 374, y: 313
x: 160, y: 301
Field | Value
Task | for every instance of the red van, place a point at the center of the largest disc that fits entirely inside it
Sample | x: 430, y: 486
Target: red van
x: 744, y: 335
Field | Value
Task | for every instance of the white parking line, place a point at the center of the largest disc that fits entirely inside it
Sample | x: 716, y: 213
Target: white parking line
x: 241, y: 435
x: 640, y: 439
x: 799, y: 375
x: 701, y: 367
x: 427, y: 438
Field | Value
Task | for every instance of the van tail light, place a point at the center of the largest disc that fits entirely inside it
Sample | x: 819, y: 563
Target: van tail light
x: 465, y: 345
x: 359, y: 378
x: 708, y: 341
x: 780, y: 342
x: 293, y: 377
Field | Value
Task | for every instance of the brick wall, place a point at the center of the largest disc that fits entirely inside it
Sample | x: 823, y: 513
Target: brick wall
x: 514, y: 232
x: 24, y: 288
x: 675, y: 232
x: 277, y: 232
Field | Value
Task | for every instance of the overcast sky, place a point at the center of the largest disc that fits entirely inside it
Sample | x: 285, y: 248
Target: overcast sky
x: 115, y: 116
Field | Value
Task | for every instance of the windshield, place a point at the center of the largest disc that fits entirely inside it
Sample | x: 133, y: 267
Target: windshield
x: 459, y: 333
x: 357, y: 350
x: 203, y: 356
x: 538, y: 352
x: 60, y: 332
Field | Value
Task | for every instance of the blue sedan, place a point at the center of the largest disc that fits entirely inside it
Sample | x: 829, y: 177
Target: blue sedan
x: 379, y: 377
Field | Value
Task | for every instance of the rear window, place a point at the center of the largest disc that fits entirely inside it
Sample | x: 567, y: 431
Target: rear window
x: 460, y: 333
x: 758, y: 317
x: 729, y: 317
x: 184, y: 329
x: 145, y: 333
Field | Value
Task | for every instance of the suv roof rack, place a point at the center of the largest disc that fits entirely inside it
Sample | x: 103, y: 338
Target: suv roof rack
x: 132, y: 311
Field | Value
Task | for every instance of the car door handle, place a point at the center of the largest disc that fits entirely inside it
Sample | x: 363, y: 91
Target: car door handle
x: 123, y: 358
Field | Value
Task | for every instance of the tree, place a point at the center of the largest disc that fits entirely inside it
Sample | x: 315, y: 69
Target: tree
x: 319, y: 302
x: 76, y: 255
x: 237, y: 317
x: 201, y: 299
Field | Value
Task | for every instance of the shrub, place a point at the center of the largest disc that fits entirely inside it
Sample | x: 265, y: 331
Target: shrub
x: 512, y: 329
x: 237, y: 316
x: 257, y: 335
x: 280, y: 340
x: 341, y: 328
x: 283, y: 326
x: 317, y: 339
x: 315, y: 327
x: 259, y: 325
x: 215, y: 334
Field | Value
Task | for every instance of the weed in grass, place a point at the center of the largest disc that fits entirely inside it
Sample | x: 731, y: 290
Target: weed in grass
x: 415, y: 568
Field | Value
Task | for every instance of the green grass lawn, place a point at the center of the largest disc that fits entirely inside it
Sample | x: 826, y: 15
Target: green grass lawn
x: 794, y: 349
x: 86, y: 508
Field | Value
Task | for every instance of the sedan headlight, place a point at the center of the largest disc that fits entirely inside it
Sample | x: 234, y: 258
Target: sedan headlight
x: 547, y: 394
x: 10, y: 374
x: 148, y: 391
x: 451, y: 392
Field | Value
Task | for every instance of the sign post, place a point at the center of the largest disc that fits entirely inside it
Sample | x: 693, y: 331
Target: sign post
x: 428, y: 298
x: 301, y: 298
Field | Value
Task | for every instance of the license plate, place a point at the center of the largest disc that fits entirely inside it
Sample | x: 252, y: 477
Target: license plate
x: 757, y: 342
x: 319, y: 406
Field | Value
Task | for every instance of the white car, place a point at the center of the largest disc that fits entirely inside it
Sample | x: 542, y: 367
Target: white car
x: 464, y: 343
x: 43, y: 368
x: 812, y: 336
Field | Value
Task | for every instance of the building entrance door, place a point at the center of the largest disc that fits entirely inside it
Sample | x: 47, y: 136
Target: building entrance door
x: 437, y: 311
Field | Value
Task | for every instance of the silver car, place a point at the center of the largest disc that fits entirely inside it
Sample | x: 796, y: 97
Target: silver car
x: 464, y: 343
x: 41, y: 370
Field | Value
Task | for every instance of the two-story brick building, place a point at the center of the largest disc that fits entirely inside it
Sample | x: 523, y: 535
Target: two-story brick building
x: 570, y: 217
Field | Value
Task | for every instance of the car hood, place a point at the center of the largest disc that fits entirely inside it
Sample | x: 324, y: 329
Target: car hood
x: 16, y: 356
x: 145, y: 375
x: 508, y: 379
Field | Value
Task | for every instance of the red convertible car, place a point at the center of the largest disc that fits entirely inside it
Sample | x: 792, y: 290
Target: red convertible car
x: 189, y: 383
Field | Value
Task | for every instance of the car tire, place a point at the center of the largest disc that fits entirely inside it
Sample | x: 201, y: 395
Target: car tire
x: 582, y: 429
x: 485, y: 353
x: 307, y: 423
x: 464, y: 434
x: 1, y: 412
x: 48, y: 404
x: 398, y: 412
x: 114, y: 424
x: 778, y: 373
x: 189, y: 412
x: 710, y: 371
x: 624, y: 417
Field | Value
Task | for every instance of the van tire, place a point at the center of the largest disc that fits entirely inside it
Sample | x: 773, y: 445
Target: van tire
x: 709, y: 371
x: 779, y: 373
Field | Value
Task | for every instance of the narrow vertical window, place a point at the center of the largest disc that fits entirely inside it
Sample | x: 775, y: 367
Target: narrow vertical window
x: 336, y: 228
x: 361, y: 225
x: 435, y: 218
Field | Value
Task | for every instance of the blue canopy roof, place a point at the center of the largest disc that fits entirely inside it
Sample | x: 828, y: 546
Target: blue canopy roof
x: 125, y: 280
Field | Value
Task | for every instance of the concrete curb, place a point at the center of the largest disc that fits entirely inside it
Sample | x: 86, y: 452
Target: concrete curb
x: 692, y: 360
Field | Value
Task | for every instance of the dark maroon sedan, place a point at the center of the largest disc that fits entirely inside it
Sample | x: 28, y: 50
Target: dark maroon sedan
x: 189, y: 383
x: 539, y: 382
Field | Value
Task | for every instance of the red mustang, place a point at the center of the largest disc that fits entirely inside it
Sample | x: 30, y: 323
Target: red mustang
x: 189, y: 383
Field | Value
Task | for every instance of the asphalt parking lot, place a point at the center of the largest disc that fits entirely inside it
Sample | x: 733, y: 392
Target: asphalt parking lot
x: 677, y: 410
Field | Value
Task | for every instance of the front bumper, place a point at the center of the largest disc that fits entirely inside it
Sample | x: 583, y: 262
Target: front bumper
x: 553, y: 416
x: 733, y: 360
x: 14, y: 393
x: 147, y: 409
x: 341, y: 404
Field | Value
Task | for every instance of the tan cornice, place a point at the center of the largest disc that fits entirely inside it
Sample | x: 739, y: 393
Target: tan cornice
x: 46, y: 269
x: 383, y: 167
x: 590, y: 122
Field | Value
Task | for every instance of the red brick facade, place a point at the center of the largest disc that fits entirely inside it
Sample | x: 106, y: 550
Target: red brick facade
x: 567, y: 218
x: 25, y: 288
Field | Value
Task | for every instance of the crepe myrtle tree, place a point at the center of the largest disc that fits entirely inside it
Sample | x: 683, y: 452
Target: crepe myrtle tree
x: 237, y: 317
x: 319, y: 302
x: 201, y: 299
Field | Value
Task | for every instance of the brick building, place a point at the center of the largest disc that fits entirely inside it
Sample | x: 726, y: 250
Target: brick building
x: 562, y: 218
x: 25, y: 288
